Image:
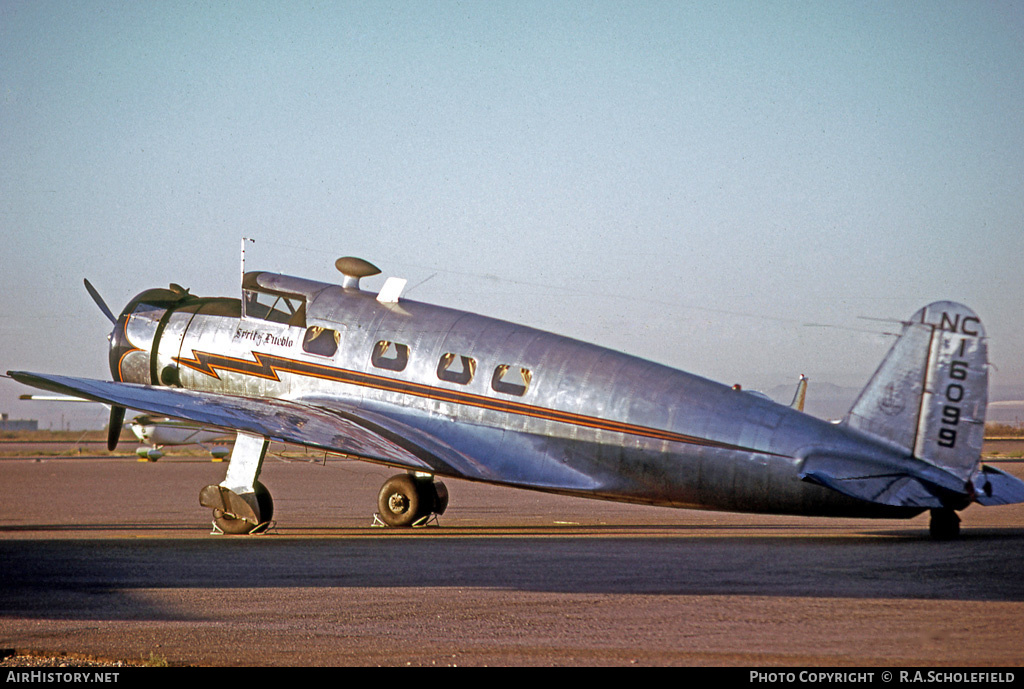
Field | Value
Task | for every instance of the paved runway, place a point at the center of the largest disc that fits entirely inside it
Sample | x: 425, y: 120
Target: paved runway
x: 113, y: 558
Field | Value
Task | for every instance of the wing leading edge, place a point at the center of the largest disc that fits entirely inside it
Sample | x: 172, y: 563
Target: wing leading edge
x: 342, y: 430
x: 323, y: 424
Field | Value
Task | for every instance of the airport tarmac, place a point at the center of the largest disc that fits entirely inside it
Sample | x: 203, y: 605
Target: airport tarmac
x: 113, y: 558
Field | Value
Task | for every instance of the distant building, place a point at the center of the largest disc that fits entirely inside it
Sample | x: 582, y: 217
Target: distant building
x: 7, y: 424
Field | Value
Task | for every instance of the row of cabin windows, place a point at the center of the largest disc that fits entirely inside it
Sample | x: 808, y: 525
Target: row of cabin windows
x: 391, y: 356
x: 454, y: 368
x: 394, y: 356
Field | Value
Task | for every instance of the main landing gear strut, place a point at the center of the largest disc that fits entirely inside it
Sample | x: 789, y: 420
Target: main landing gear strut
x: 240, y: 503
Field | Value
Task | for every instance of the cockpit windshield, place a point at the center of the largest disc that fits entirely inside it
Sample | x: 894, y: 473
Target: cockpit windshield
x: 277, y: 308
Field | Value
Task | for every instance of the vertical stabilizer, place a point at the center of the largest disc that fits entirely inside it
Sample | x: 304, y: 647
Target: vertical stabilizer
x: 930, y: 393
x: 801, y: 394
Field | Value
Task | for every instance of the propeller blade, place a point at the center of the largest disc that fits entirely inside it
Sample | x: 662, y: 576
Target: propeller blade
x: 99, y: 302
x: 114, y: 429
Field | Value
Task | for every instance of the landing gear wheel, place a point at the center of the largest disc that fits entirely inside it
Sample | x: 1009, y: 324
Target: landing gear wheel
x: 404, y: 500
x: 264, y: 512
x: 399, y: 501
x: 265, y: 502
x: 945, y: 525
x: 440, y: 497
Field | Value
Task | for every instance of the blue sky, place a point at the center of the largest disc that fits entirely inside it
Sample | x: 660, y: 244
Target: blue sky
x: 690, y: 182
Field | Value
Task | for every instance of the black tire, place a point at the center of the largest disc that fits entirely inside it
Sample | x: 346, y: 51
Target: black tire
x: 945, y: 525
x: 403, y: 500
x: 440, y: 497
x: 265, y: 502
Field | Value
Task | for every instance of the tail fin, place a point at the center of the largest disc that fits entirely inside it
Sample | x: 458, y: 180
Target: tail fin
x: 930, y: 393
x: 800, y: 395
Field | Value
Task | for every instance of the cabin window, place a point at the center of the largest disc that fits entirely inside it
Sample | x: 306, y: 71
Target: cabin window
x: 456, y: 368
x: 277, y: 308
x: 511, y: 380
x: 321, y: 341
x: 390, y: 355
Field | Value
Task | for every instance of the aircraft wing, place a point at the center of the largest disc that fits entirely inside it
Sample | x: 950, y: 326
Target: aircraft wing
x: 342, y: 428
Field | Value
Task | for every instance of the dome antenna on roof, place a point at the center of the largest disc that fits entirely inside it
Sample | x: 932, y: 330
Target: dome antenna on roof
x: 354, y: 268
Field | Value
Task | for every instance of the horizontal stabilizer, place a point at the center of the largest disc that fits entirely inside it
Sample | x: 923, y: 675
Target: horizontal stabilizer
x: 995, y: 487
x: 911, y: 484
x: 891, y: 489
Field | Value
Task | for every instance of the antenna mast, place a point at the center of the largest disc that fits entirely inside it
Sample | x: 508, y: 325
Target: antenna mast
x: 241, y: 277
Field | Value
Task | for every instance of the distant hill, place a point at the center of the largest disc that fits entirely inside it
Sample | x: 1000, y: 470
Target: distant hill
x: 824, y: 400
x: 828, y: 401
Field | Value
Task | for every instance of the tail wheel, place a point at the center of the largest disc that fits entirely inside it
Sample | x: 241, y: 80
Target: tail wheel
x: 945, y: 525
x: 404, y: 500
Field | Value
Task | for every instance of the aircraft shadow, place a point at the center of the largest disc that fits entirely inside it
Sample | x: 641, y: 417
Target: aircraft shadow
x: 97, y: 578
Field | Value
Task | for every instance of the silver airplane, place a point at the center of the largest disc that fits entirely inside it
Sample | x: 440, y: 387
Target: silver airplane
x: 157, y: 432
x: 438, y: 392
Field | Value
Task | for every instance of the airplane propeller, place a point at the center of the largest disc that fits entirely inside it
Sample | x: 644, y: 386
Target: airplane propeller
x: 114, y: 428
x: 99, y: 302
x: 116, y: 413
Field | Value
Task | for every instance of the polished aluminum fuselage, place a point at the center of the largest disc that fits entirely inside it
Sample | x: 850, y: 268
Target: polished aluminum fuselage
x: 592, y: 421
